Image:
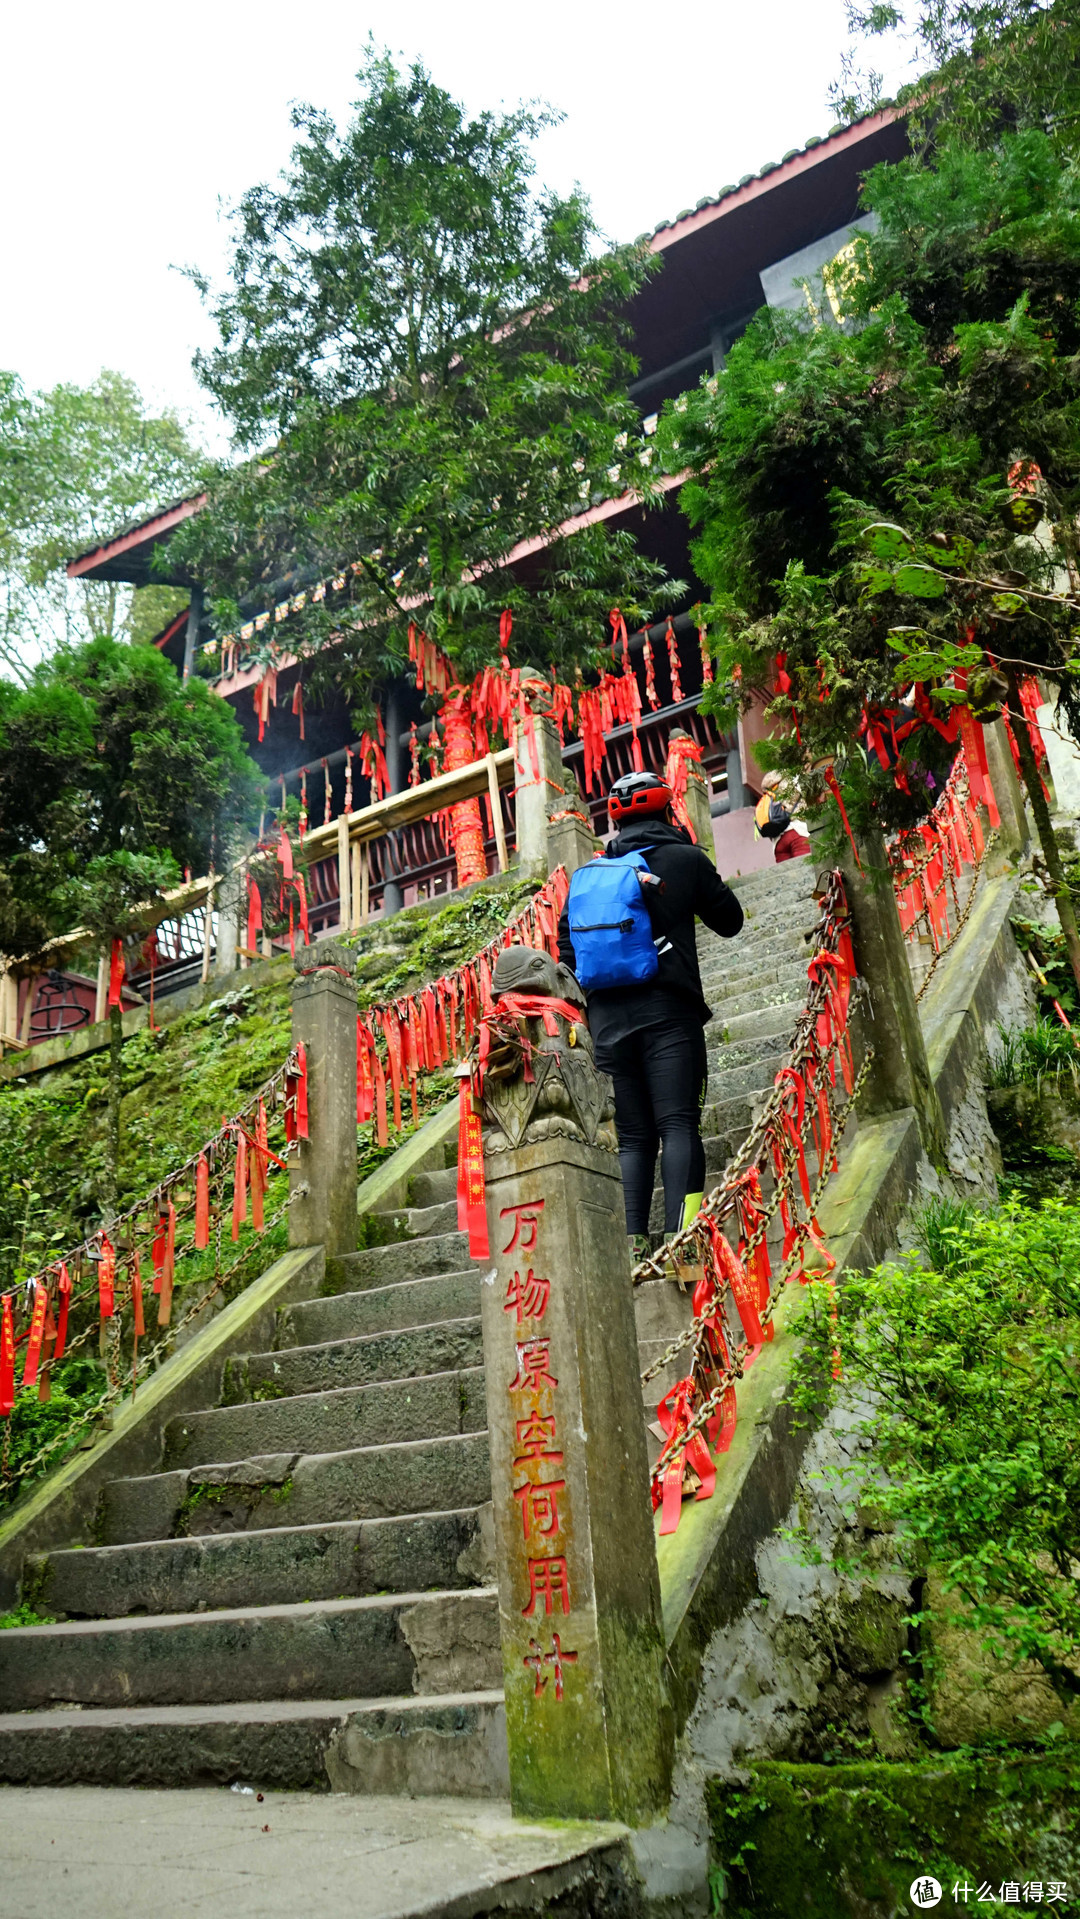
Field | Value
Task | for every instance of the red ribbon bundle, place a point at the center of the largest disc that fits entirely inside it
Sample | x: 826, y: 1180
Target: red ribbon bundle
x: 36, y: 1334
x: 116, y: 974
x: 296, y: 1098
x: 472, y: 1210
x: 202, y: 1204
x: 106, y: 1277
x: 674, y: 663
x: 7, y: 1357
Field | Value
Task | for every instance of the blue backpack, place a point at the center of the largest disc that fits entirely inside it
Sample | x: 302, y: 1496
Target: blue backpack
x: 610, y: 928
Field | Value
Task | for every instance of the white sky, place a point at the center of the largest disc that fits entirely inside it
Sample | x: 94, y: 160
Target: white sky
x: 124, y: 127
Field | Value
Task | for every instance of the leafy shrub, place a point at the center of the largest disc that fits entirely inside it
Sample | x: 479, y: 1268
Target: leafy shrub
x: 969, y: 1355
x: 1030, y: 1054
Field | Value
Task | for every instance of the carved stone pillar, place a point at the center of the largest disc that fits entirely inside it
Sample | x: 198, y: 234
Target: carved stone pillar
x: 588, y: 1723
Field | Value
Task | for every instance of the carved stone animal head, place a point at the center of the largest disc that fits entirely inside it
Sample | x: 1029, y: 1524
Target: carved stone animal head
x: 521, y: 969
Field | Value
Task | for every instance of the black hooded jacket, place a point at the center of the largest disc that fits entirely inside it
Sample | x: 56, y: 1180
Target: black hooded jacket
x: 693, y: 890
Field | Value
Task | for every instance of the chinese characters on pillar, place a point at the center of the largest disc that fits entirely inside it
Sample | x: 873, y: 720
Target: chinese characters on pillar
x: 539, y: 1483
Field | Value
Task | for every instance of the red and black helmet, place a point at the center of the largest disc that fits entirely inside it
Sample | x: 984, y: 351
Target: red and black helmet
x: 638, y: 796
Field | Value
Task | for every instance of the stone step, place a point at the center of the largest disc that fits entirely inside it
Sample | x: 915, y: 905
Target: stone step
x: 347, y: 1559
x: 422, y: 1222
x: 430, y: 1189
x: 764, y: 1022
x: 404, y: 1643
x: 382, y: 1309
x: 352, y: 1416
x: 248, y: 1495
x: 403, y: 1259
x: 414, y: 1351
x: 727, y: 1083
x: 771, y: 1052
x: 790, y: 992
x: 740, y: 962
x: 451, y: 1743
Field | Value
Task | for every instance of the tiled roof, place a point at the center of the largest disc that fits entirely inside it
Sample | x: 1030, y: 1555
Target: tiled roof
x: 871, y: 121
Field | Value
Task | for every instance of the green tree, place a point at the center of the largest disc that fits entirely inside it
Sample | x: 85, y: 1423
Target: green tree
x: 114, y: 776
x: 77, y: 464
x: 432, y: 354
x: 987, y: 65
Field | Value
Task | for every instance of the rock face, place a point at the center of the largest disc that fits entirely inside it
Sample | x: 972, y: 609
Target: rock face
x: 974, y: 1697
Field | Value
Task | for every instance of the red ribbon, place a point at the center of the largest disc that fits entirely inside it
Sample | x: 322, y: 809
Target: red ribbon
x: 116, y: 974
x: 136, y: 1296
x: 472, y: 1209
x: 7, y: 1358
x: 106, y: 1278
x: 36, y: 1334
x: 63, y: 1289
x: 202, y: 1204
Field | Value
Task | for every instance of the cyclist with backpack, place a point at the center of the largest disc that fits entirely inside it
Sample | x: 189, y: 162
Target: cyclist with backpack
x: 628, y: 934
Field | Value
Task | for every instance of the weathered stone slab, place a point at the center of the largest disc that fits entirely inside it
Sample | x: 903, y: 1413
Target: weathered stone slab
x: 431, y: 1642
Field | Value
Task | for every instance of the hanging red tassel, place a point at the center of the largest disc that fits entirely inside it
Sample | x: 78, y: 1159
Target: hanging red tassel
x: 673, y: 664
x: 284, y: 853
x: 106, y: 1278
x: 255, y: 916
x: 36, y: 1334
x: 7, y: 1358
x: 651, y: 693
x: 472, y: 1208
x: 117, y: 970
x: 63, y: 1289
x: 239, y: 1209
x: 706, y: 662
x: 506, y: 627
x: 163, y: 1278
x: 834, y: 788
x: 296, y: 1098
x: 202, y: 1204
x: 259, y: 1169
x: 139, y: 1324
x: 298, y: 705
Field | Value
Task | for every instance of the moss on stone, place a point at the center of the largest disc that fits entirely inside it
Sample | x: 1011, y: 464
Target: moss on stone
x: 846, y: 1841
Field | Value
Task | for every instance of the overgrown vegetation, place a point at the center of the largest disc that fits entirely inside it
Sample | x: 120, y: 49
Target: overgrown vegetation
x: 969, y: 1351
x: 847, y: 1842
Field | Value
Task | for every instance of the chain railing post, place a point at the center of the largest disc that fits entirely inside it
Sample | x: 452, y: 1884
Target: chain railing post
x: 323, y: 1177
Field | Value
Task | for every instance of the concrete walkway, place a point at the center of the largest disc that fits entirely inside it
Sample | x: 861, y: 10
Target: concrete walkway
x: 109, y: 1853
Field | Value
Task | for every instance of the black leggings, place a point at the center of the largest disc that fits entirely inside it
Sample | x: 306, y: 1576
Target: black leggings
x: 660, y: 1074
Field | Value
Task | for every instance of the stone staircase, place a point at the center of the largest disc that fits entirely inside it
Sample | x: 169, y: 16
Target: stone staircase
x: 303, y: 1594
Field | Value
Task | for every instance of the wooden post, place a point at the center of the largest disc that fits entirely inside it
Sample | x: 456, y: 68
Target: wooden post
x: 496, y: 813
x: 24, y: 1030
x: 344, y: 873
x: 101, y: 997
x: 9, y: 1005
x: 365, y: 883
x: 208, y: 930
